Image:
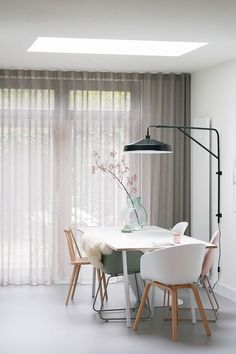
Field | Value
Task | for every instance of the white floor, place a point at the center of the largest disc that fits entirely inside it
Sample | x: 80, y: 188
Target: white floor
x: 34, y: 320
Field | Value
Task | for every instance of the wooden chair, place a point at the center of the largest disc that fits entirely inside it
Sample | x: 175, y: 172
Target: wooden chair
x: 172, y: 269
x: 76, y: 260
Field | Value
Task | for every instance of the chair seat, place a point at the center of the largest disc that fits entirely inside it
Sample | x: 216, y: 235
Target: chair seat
x: 81, y: 261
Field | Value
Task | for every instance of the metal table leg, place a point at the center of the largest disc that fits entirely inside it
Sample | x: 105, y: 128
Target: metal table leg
x: 126, y: 284
x: 192, y: 306
x: 93, y: 282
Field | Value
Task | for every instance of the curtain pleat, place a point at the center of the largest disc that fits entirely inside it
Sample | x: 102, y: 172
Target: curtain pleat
x: 166, y: 101
x: 50, y: 125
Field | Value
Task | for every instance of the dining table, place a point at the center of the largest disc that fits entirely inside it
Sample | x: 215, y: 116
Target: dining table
x: 147, y: 239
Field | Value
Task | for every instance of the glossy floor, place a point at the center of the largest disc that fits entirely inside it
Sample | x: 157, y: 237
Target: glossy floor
x: 34, y: 320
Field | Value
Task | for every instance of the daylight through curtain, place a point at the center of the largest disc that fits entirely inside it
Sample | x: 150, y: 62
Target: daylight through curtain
x: 50, y: 125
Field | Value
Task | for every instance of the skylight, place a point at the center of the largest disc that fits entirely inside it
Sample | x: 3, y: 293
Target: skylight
x: 113, y: 46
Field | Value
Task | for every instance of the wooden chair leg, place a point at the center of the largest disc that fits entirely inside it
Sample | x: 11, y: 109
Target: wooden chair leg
x: 142, y: 305
x: 164, y: 297
x: 71, y: 284
x: 177, y: 306
x: 164, y: 304
x: 174, y: 300
x: 168, y: 299
x: 201, y: 310
x: 75, y: 281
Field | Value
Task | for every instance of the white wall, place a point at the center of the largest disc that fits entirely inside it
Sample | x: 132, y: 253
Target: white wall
x: 214, y: 96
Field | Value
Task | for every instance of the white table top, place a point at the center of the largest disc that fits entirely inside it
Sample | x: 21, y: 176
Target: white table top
x: 151, y: 237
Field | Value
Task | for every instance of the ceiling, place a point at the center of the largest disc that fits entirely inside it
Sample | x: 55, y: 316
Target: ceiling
x: 213, y: 21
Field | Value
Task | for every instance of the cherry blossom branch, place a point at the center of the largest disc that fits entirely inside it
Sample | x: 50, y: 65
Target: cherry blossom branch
x: 117, y: 170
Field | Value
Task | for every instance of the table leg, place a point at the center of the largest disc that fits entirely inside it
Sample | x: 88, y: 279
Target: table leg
x: 126, y: 284
x: 152, y: 299
x: 93, y: 282
x: 192, y: 306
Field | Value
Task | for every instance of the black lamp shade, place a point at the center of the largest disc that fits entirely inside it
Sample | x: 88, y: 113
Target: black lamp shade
x: 148, y: 146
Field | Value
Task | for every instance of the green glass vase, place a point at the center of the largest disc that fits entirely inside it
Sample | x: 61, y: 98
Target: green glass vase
x: 133, y: 215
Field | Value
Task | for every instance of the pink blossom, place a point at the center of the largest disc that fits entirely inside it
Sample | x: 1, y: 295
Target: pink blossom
x: 94, y: 169
x: 113, y: 153
x: 94, y: 154
x: 117, y: 170
x: 111, y: 166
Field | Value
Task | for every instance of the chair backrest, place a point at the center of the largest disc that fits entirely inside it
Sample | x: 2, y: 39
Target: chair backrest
x: 112, y: 263
x: 72, y: 245
x: 209, y: 256
x: 180, y: 227
x: 173, y: 265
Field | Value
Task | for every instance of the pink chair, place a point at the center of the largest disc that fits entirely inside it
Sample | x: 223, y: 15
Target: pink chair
x: 206, y: 267
x: 180, y: 227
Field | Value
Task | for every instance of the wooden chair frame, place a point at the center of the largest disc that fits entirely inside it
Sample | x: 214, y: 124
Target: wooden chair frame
x: 173, y: 289
x: 77, y: 261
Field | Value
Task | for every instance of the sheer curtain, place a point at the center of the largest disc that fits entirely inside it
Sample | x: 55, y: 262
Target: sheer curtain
x: 50, y: 124
x: 167, y: 188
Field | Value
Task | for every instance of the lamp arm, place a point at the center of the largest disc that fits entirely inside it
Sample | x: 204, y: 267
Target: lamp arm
x: 180, y: 128
x: 217, y: 156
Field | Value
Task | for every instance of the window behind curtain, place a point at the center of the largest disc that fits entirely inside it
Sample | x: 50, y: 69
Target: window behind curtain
x: 48, y: 131
x: 26, y: 194
x: 102, y: 121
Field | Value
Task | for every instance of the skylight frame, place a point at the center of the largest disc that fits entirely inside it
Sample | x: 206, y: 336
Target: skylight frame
x: 113, y: 46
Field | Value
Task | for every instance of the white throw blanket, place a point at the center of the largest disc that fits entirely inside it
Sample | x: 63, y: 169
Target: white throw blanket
x: 94, y: 249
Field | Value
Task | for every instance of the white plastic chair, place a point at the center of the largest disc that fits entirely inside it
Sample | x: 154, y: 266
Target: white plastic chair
x: 204, y: 280
x: 180, y: 227
x: 171, y: 269
x: 206, y: 267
